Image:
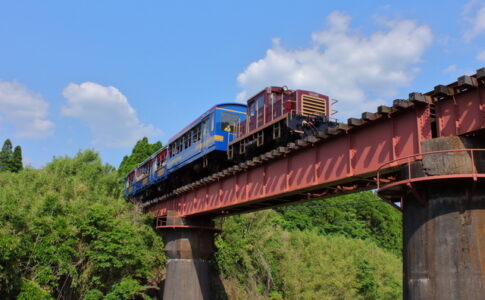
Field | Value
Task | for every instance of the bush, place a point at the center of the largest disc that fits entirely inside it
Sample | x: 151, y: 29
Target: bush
x: 67, y: 232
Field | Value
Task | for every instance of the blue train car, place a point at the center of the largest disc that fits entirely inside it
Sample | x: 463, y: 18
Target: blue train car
x: 192, y: 152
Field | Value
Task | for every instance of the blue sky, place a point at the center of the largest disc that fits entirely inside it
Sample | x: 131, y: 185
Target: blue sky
x: 102, y: 74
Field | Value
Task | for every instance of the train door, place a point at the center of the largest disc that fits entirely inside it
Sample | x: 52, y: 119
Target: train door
x: 207, y: 132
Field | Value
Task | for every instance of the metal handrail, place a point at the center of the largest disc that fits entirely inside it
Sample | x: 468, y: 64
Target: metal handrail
x: 419, y: 156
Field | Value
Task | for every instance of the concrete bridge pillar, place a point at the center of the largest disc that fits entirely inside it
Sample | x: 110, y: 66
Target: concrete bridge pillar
x: 189, y: 244
x: 444, y: 223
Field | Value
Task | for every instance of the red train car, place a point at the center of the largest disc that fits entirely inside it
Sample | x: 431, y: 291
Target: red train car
x: 276, y: 116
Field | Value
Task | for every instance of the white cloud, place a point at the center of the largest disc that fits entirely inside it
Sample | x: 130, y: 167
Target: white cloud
x: 474, y: 15
x: 450, y: 69
x: 25, y: 110
x: 107, y: 113
x: 344, y: 63
x: 481, y: 56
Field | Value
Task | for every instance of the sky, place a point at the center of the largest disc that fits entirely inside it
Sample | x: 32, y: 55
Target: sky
x: 100, y: 75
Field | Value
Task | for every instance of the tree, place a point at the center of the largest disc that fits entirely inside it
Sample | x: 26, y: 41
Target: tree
x: 67, y: 233
x: 17, y: 159
x: 142, y: 150
x: 6, y: 156
x: 364, y: 218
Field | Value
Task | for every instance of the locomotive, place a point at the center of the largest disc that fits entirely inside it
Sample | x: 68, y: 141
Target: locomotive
x: 227, y: 134
x: 277, y: 116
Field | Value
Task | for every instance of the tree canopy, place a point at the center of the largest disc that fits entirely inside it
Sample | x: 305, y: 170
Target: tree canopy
x: 141, y: 151
x: 67, y: 233
x: 10, y: 160
x: 260, y: 259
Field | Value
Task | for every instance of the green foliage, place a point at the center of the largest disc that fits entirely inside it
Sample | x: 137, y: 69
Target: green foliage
x: 142, y: 150
x: 6, y: 156
x: 66, y: 233
x: 367, y: 284
x: 31, y: 290
x: 258, y: 257
x: 376, y: 221
x: 17, y: 159
x: 246, y: 249
x: 10, y: 160
x: 330, y: 267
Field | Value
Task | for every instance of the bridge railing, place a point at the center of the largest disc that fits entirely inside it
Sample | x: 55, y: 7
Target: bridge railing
x: 473, y: 167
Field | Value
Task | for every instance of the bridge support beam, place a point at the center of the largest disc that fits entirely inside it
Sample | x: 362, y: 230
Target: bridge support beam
x: 444, y: 225
x: 189, y: 244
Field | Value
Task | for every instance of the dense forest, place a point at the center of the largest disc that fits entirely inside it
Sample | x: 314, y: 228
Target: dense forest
x: 66, y: 232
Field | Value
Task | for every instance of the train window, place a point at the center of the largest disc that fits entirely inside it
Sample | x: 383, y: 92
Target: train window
x: 229, y: 121
x: 260, y: 102
x: 212, y: 123
x: 196, y: 133
x: 154, y: 165
x: 172, y: 150
x: 187, y: 140
x: 205, y: 128
x: 179, y: 145
x: 252, y: 109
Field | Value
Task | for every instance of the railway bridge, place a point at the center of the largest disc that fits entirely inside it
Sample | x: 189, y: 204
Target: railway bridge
x: 425, y: 155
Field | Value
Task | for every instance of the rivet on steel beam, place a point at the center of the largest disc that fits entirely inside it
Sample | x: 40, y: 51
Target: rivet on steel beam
x: 384, y: 109
x: 355, y: 122
x: 368, y: 116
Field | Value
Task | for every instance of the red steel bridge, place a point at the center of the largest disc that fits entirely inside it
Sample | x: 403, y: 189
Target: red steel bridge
x: 338, y: 161
x: 426, y: 152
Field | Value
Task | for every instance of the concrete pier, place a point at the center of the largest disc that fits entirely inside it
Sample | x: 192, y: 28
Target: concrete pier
x: 189, y: 244
x: 444, y: 225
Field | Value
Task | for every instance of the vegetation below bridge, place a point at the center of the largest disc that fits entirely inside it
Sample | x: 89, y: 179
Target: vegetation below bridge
x: 67, y: 233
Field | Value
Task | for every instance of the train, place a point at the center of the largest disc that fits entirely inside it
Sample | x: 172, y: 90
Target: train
x: 227, y: 134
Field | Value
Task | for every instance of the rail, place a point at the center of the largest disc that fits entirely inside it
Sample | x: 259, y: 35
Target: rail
x: 473, y: 173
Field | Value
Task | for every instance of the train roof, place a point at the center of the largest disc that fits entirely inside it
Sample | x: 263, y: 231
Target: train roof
x: 196, y: 121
